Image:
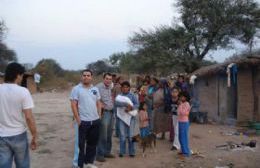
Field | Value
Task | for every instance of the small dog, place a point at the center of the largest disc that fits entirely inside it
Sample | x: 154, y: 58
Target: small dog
x: 148, y: 141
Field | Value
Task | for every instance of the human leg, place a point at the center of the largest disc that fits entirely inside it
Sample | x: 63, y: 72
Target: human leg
x: 176, y: 142
x: 92, y: 141
x: 122, y: 137
x: 6, y: 154
x: 76, y: 144
x: 20, y: 148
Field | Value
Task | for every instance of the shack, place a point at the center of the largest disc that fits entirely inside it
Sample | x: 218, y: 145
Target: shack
x: 229, y: 92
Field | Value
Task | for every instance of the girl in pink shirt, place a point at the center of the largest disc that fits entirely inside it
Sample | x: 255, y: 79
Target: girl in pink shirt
x: 143, y: 120
x: 183, y: 118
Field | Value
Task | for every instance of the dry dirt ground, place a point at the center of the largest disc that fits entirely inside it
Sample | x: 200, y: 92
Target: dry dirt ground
x: 55, y: 127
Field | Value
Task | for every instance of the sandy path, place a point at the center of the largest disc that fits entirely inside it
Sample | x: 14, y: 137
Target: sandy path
x: 55, y: 128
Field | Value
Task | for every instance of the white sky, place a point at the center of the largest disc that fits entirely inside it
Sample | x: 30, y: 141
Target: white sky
x: 77, y: 32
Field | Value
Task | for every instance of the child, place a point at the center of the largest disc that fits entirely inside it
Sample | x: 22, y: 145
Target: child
x: 143, y: 120
x: 183, y: 118
x: 127, y: 131
x: 175, y: 101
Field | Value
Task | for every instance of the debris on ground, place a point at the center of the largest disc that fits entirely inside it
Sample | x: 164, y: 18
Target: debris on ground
x: 230, y: 165
x: 230, y: 133
x: 235, y: 146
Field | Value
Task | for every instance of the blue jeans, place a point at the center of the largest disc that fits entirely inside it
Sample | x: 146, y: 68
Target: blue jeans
x: 184, y: 137
x: 145, y: 131
x: 105, y: 137
x: 150, y: 116
x: 126, y: 132
x: 14, y: 148
x: 116, y: 123
x: 76, y: 144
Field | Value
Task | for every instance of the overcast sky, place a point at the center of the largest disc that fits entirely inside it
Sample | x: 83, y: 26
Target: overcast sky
x: 77, y: 32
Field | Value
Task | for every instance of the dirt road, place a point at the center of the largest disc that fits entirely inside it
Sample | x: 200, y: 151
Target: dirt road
x: 55, y: 126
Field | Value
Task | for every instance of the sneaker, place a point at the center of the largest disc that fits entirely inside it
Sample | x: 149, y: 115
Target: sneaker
x: 91, y: 166
x: 100, y: 159
x: 109, y: 155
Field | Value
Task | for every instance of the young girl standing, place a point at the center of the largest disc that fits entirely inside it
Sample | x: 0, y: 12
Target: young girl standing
x: 143, y: 120
x: 183, y: 118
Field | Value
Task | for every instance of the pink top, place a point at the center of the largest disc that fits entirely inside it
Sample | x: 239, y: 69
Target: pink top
x: 143, y: 117
x: 183, y: 112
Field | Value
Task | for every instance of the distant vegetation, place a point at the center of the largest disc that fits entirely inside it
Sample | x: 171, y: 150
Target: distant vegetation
x: 54, y: 76
x: 6, y: 54
x: 203, y: 26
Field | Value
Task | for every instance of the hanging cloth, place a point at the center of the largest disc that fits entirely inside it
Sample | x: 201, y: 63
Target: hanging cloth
x: 229, y: 74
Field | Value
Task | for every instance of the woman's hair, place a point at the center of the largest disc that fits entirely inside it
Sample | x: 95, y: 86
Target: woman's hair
x: 155, y: 79
x: 147, y: 79
x: 167, y: 94
x: 118, y: 79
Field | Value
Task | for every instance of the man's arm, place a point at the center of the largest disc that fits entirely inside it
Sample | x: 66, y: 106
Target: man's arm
x: 74, y: 108
x: 120, y: 104
x: 99, y: 108
x: 32, y: 126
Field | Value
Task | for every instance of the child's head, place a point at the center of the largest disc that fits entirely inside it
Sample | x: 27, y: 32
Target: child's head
x: 142, y: 106
x: 181, y: 78
x: 125, y: 87
x: 175, y: 92
x: 184, y: 96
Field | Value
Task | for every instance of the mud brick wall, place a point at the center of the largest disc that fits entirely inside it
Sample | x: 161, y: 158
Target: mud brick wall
x: 207, y: 95
x: 245, y: 96
x: 257, y: 92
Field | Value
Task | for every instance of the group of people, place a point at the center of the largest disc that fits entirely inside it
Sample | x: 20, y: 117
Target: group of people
x: 167, y: 102
x: 111, y: 104
x: 97, y: 110
x: 94, y: 110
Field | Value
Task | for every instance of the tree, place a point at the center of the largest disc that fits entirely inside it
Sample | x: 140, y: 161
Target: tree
x: 49, y: 68
x: 206, y: 25
x: 6, y: 55
x: 2, y: 30
x: 101, y: 66
x: 213, y: 24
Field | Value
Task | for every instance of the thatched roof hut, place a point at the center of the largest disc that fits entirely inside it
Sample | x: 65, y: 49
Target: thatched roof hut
x: 221, y: 68
x: 233, y: 97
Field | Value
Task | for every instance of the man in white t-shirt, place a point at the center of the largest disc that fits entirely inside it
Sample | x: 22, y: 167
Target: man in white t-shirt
x: 15, y: 115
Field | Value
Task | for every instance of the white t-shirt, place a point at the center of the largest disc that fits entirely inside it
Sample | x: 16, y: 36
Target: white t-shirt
x: 13, y: 99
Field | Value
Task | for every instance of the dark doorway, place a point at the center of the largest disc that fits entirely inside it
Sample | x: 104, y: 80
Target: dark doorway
x: 232, y: 97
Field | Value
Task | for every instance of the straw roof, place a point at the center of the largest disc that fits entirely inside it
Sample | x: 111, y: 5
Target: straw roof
x: 221, y: 67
